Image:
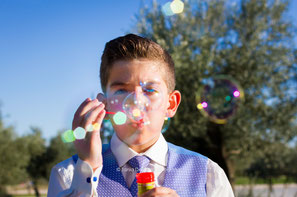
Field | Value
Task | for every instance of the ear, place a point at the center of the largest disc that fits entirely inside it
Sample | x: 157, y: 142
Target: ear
x: 174, y: 101
x: 101, y: 97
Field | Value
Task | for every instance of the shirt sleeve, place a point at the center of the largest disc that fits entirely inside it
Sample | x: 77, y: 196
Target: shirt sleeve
x: 70, y: 179
x: 217, y: 182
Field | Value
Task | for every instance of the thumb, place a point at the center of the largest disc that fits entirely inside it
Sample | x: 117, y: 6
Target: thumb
x: 101, y: 97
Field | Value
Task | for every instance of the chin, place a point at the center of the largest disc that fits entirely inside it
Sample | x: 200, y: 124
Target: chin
x: 138, y: 138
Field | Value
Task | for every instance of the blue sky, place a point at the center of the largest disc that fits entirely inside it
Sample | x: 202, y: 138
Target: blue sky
x: 50, y: 55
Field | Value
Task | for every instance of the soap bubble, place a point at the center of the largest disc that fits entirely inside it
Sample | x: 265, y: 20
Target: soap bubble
x: 177, y: 6
x: 219, y: 98
x: 90, y: 128
x: 120, y: 118
x: 133, y: 106
x: 166, y: 124
x: 166, y: 9
x: 172, y: 8
x: 136, y: 105
x: 96, y: 126
x: 132, y: 109
x: 79, y: 133
x: 68, y: 136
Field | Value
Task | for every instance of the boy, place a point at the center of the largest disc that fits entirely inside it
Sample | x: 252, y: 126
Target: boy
x: 137, y: 66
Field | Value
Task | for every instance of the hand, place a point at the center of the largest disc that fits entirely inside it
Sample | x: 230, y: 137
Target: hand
x: 160, y: 191
x: 90, y: 148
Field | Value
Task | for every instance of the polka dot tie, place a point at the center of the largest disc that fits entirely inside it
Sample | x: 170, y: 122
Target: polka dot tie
x: 139, y: 163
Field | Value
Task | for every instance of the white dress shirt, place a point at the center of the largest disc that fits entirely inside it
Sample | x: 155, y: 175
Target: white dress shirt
x: 70, y: 179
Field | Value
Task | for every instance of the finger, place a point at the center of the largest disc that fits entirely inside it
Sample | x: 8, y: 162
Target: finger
x: 158, y: 191
x: 91, y: 116
x: 76, y: 118
x: 79, y: 115
x: 101, y: 98
x: 82, y: 105
x: 100, y: 117
x: 92, y: 136
x: 96, y: 133
x: 89, y: 106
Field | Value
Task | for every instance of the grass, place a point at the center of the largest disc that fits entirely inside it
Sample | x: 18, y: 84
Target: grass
x: 246, y: 181
x: 26, y: 195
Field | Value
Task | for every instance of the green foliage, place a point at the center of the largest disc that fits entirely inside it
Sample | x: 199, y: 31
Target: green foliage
x: 13, y: 160
x: 252, y: 42
x: 56, y: 152
x: 34, y: 147
x: 271, y: 162
x: 27, y: 157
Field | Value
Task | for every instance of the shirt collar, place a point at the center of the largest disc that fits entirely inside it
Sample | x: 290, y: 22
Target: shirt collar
x: 123, y: 153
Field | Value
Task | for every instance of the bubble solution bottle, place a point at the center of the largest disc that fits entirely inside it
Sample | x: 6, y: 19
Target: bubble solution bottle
x: 145, y: 181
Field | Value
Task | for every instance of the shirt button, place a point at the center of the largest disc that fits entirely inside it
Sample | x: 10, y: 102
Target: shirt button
x: 94, y: 179
x: 88, y: 180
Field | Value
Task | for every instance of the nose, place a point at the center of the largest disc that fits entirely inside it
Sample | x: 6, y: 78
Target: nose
x: 138, y: 94
x: 138, y: 91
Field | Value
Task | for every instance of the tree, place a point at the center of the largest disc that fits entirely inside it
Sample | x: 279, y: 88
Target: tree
x: 272, y: 163
x: 13, y: 159
x: 35, y: 147
x: 28, y: 157
x: 42, y: 157
x: 56, y: 152
x: 249, y: 40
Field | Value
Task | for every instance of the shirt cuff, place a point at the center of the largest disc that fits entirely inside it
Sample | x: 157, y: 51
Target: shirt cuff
x: 85, y: 181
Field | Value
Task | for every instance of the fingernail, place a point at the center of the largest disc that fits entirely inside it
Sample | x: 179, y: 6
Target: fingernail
x: 99, y: 103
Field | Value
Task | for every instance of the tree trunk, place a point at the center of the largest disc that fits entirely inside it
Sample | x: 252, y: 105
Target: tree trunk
x: 35, y: 187
x: 3, y: 192
x: 270, y: 190
x: 216, y: 151
x: 230, y: 167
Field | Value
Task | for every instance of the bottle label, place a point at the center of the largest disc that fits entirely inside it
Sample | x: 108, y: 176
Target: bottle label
x: 144, y: 187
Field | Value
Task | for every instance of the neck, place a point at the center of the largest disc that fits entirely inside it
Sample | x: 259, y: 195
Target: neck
x: 144, y: 147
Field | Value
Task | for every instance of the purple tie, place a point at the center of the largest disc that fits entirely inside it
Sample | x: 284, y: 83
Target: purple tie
x: 139, y: 163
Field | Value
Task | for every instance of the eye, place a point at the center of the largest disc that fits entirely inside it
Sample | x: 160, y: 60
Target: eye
x: 150, y: 91
x: 120, y: 91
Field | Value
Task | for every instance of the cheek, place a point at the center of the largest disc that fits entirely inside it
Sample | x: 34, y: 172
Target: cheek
x: 123, y: 131
x: 114, y: 104
x: 157, y: 118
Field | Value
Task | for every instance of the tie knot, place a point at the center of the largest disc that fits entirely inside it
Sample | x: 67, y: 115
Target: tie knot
x: 139, y: 162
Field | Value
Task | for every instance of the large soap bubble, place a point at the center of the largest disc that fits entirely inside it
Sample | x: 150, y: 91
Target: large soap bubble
x: 219, y: 98
x: 136, y: 105
x: 133, y: 106
x: 133, y: 109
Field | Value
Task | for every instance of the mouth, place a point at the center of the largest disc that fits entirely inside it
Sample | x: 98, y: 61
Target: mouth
x: 138, y: 124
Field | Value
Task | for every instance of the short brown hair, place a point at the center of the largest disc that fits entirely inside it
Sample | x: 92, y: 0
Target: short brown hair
x: 131, y: 47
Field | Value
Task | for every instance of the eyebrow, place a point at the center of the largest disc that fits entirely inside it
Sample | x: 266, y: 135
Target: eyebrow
x: 152, y: 82
x: 120, y: 83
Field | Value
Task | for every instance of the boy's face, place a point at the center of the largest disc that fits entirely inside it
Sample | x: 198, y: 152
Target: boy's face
x: 126, y: 76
